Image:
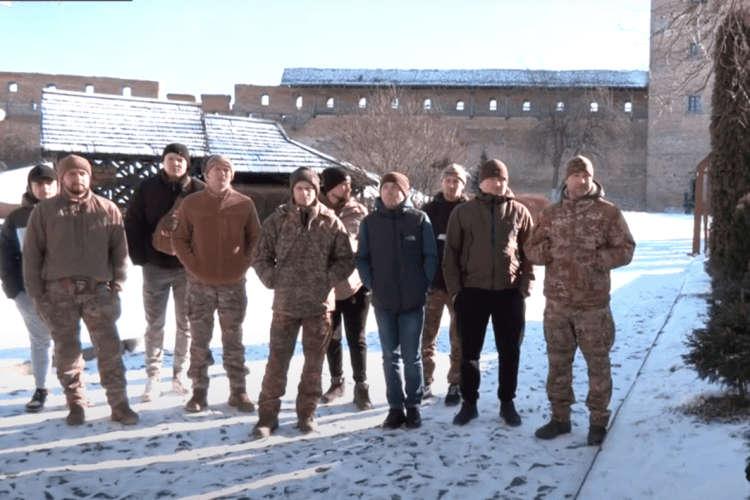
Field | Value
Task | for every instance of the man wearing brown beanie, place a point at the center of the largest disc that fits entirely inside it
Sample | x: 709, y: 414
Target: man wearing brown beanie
x: 74, y: 262
x: 217, y: 231
x: 579, y: 240
x: 304, y: 251
x: 489, y: 276
x: 397, y: 259
x: 155, y: 198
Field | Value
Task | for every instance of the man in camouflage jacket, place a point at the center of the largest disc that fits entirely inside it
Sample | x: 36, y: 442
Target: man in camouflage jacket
x: 304, y: 251
x: 579, y: 240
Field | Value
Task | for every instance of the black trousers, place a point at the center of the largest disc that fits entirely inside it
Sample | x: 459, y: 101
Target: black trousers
x: 474, y: 308
x: 351, y: 314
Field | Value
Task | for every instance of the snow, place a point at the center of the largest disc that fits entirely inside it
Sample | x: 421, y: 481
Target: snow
x: 652, y: 451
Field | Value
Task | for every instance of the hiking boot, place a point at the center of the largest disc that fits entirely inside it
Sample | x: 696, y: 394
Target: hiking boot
x: 178, y: 385
x: 453, y: 397
x: 37, y: 401
x: 552, y: 429
x: 362, y: 396
x: 242, y: 402
x: 427, y: 392
x: 394, y: 420
x: 334, y: 392
x: 77, y: 415
x: 307, y: 426
x: 596, y: 436
x: 466, y: 414
x: 198, y: 402
x: 124, y: 414
x: 509, y: 414
x: 152, y: 390
x: 264, y: 429
x: 413, y: 420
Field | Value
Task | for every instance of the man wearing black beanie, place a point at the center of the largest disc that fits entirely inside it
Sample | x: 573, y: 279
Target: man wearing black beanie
x: 155, y: 199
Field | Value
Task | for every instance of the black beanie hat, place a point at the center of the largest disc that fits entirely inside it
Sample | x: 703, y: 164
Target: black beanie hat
x: 332, y: 177
x: 493, y: 168
x: 307, y: 175
x: 176, y: 148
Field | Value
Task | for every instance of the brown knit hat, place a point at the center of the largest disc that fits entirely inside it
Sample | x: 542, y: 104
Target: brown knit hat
x: 493, y: 168
x: 307, y: 175
x: 397, y: 178
x: 579, y: 164
x: 214, y: 160
x: 73, y: 162
x: 455, y: 170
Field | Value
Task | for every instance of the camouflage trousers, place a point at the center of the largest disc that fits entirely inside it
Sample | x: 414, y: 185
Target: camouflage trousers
x: 437, y: 300
x: 157, y: 282
x: 565, y: 329
x: 230, y: 303
x: 316, y: 333
x: 99, y: 310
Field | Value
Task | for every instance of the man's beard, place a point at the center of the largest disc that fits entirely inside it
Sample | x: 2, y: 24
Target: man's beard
x: 77, y: 189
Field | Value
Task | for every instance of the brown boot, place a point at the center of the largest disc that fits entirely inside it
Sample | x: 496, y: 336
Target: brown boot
x: 242, y: 402
x: 307, y: 425
x: 124, y: 414
x: 198, y: 402
x: 265, y: 426
x: 77, y: 415
x: 334, y: 392
x: 362, y: 396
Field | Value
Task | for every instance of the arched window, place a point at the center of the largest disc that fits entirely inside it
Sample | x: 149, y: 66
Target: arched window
x: 127, y: 91
x: 33, y: 105
x: 362, y: 102
x: 628, y: 107
x: 51, y: 86
x: 394, y: 103
x: 89, y: 89
x: 427, y: 103
x: 12, y: 87
x: 493, y: 104
x: 526, y: 106
x: 298, y: 102
x: 329, y: 102
x: 560, y: 106
x: 265, y: 100
x: 459, y: 105
x: 594, y: 107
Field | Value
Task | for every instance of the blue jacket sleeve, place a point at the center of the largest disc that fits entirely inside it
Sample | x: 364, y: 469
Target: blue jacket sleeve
x: 364, y: 260
x: 430, y: 259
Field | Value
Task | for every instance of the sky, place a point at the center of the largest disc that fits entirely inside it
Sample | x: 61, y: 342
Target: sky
x: 205, y: 47
x: 653, y: 450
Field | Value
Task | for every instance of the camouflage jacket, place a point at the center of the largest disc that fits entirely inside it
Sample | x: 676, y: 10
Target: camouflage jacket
x: 351, y: 214
x: 302, y: 263
x: 579, y: 241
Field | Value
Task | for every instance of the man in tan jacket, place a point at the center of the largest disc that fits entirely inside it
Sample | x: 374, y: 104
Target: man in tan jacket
x: 304, y: 251
x: 74, y: 262
x: 216, y: 235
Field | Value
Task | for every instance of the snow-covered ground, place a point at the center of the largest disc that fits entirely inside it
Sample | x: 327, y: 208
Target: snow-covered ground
x: 652, y: 451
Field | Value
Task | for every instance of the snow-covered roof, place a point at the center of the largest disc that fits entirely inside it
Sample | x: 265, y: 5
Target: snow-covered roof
x: 296, y: 77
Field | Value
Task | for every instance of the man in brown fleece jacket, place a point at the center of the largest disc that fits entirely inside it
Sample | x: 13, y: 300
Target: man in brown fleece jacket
x: 304, y: 251
x: 216, y: 235
x: 74, y: 261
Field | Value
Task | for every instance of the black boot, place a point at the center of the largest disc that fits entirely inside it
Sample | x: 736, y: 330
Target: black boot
x: 509, y: 413
x: 467, y: 413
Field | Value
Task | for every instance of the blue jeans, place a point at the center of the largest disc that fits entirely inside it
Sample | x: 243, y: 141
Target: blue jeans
x: 401, y: 337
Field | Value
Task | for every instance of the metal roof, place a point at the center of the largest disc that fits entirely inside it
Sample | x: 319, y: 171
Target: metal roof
x: 260, y: 146
x: 297, y: 77
x: 75, y: 122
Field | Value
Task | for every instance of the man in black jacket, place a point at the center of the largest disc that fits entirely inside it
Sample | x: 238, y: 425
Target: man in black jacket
x: 42, y: 184
x: 439, y: 210
x: 153, y: 199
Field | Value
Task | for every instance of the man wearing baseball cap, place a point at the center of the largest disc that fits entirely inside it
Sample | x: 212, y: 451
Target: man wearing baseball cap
x: 579, y: 240
x: 42, y: 184
x: 304, y: 251
x: 154, y: 199
x: 489, y: 276
x: 439, y: 210
x: 74, y: 262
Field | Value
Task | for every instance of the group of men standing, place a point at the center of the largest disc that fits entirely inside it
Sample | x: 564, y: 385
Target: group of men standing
x: 327, y: 261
